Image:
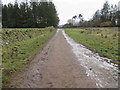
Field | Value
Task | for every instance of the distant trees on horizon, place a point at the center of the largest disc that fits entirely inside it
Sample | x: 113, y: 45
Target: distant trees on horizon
x: 108, y: 16
x: 29, y: 15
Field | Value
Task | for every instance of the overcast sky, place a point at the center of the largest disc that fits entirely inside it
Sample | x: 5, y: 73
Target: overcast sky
x: 68, y: 8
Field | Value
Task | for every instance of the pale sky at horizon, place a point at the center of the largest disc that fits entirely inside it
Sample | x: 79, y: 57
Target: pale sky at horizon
x: 68, y: 8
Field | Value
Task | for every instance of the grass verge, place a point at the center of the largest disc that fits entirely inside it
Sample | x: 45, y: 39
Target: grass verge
x: 101, y: 40
x: 18, y: 54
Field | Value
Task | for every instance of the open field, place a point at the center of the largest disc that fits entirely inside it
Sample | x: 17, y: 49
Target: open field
x: 20, y: 46
x: 101, y: 40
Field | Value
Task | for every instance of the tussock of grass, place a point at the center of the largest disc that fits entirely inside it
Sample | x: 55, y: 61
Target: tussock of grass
x: 18, y: 54
x: 102, y: 40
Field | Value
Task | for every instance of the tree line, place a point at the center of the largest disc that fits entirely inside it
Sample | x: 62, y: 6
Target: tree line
x: 29, y: 15
x: 108, y: 16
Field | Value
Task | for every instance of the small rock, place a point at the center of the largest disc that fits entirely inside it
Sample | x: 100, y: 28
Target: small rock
x: 46, y: 53
x: 90, y: 68
x: 49, y: 83
x: 42, y: 59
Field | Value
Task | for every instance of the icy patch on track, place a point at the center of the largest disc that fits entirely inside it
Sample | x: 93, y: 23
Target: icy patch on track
x: 105, y: 74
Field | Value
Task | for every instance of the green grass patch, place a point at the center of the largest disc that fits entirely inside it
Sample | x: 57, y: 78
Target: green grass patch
x: 18, y: 54
x: 101, y: 40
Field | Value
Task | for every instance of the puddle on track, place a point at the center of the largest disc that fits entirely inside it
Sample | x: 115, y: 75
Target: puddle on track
x: 105, y: 74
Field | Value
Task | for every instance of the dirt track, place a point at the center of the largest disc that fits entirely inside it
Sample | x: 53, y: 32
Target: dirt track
x: 55, y: 67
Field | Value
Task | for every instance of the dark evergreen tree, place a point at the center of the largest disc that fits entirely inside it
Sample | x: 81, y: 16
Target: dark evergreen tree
x: 52, y: 15
x: 16, y: 16
x: 30, y: 15
x: 10, y: 14
x: 105, y: 12
x: 4, y: 16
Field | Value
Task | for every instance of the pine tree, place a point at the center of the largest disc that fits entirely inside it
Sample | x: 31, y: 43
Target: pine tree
x: 32, y: 15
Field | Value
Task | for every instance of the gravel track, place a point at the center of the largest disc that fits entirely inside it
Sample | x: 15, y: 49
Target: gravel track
x: 58, y: 66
